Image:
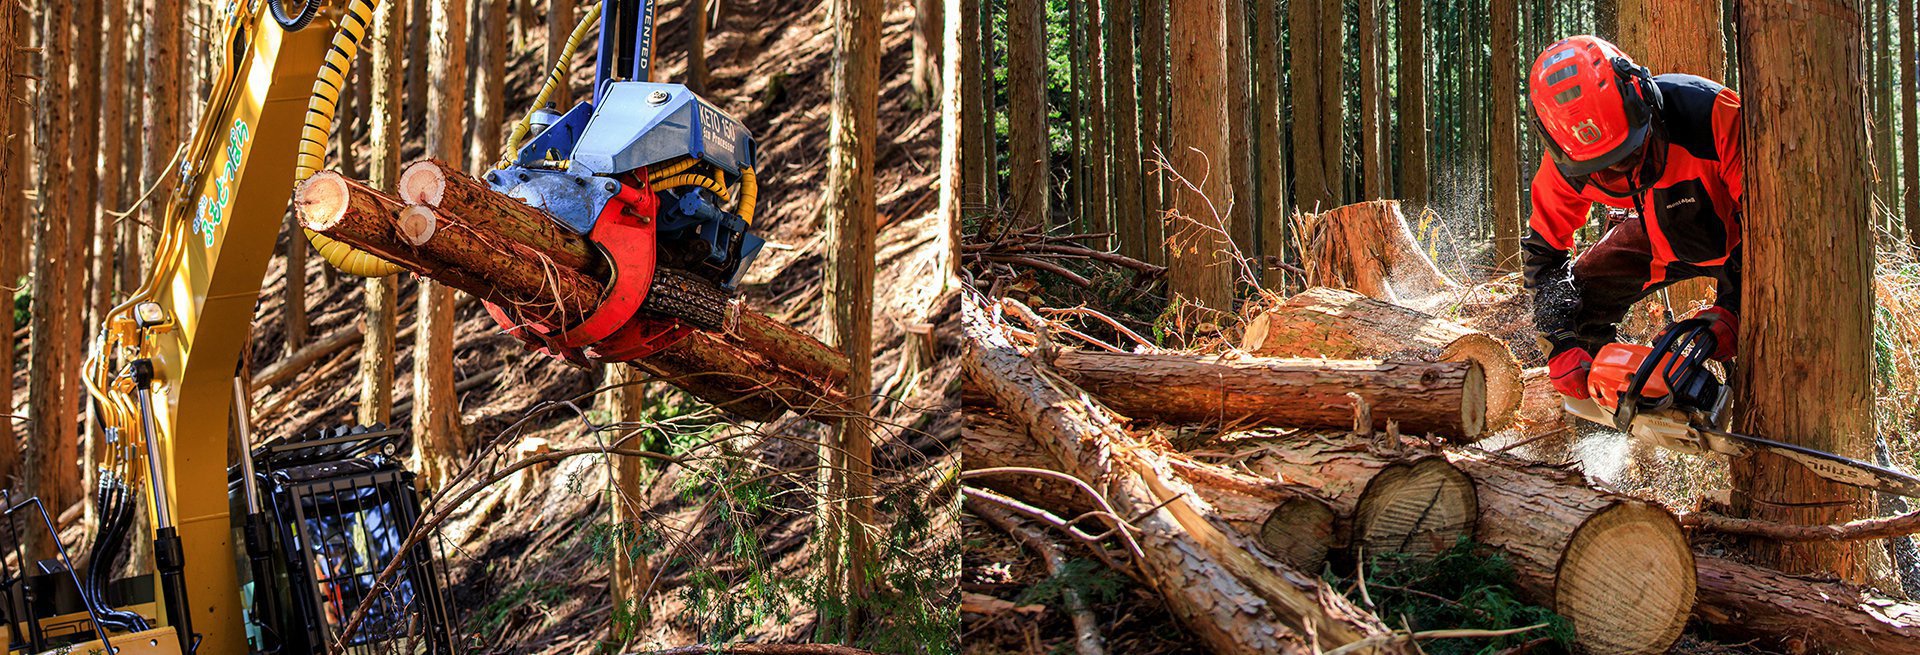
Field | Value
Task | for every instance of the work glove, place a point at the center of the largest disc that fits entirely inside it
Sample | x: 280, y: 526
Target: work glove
x: 1726, y: 331
x: 1568, y: 370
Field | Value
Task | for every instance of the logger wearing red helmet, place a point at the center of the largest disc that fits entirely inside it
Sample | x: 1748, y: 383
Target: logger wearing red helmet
x: 1666, y: 147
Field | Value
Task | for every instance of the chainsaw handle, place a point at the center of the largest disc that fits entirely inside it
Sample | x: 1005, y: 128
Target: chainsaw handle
x: 1694, y: 340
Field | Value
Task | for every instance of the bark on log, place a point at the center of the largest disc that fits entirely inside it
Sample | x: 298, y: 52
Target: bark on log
x: 1617, y: 567
x: 432, y: 183
x: 1801, y: 615
x: 1244, y: 503
x: 1367, y: 247
x: 1340, y: 324
x: 757, y: 368
x: 1446, y: 398
x: 1235, y: 598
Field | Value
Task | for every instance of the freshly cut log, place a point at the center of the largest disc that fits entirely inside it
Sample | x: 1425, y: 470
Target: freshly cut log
x: 1801, y: 615
x: 1446, y: 398
x: 430, y: 183
x: 1341, y: 324
x: 1244, y: 503
x: 1415, y: 508
x: 1367, y: 247
x: 1617, y: 567
x: 1232, y: 595
x: 758, y: 367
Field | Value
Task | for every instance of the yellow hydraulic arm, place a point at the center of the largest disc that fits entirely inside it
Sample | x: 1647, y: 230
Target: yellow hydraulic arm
x: 192, y: 314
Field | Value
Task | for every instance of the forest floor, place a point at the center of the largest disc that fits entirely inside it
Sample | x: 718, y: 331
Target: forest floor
x: 528, y: 564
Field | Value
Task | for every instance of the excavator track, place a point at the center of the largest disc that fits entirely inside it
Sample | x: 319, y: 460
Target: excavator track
x: 675, y: 294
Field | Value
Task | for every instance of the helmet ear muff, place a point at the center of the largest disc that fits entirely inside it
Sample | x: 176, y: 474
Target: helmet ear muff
x: 1646, y: 102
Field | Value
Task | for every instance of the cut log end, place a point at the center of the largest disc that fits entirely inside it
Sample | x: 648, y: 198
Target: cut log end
x: 417, y: 224
x: 422, y: 183
x: 1504, y: 387
x: 1626, y: 580
x: 1417, y: 509
x: 322, y: 200
x: 1299, y: 532
x: 1473, y: 404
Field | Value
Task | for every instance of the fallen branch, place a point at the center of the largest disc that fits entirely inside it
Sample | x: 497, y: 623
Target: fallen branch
x: 1086, y: 629
x: 1861, y: 530
x: 763, y: 649
x: 302, y: 360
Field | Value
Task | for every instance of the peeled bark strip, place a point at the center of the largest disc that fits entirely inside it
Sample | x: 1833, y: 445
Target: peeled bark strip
x: 1367, y: 247
x: 1340, y: 324
x: 757, y: 368
x: 1234, y: 597
x: 1446, y: 398
x: 1799, y: 614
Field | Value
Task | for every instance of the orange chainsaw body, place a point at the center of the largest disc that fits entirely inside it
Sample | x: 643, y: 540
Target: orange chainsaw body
x: 1613, y: 370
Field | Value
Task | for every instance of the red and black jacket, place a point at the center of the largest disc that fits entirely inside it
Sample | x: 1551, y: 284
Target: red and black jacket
x: 1691, y: 213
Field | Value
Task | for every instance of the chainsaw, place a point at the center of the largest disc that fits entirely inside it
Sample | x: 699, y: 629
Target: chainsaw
x: 1665, y: 395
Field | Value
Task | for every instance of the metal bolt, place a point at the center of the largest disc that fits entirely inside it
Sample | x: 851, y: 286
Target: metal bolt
x: 493, y: 178
x: 580, y: 181
x: 659, y: 97
x: 524, y: 177
x: 612, y: 186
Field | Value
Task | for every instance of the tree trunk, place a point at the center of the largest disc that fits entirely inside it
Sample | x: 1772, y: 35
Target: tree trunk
x: 1199, y: 267
x: 1242, y: 196
x: 1027, y: 111
x: 164, y: 131
x: 1153, y: 125
x: 1123, y: 115
x: 927, y: 31
x: 293, y: 298
x: 436, y: 410
x: 1313, y: 191
x: 1880, y: 97
x: 1809, y: 163
x: 560, y: 23
x: 1910, y: 106
x: 1368, y: 248
x: 1339, y: 324
x: 1677, y: 37
x: 115, y: 187
x: 698, y: 15
x: 976, y: 171
x: 378, y: 351
x: 958, y: 126
x: 489, y: 98
x: 851, y: 223
x: 1374, y: 167
x: 14, y: 215
x: 1446, y: 398
x: 1271, y: 160
x: 1333, y: 93
x: 52, y: 469
x: 990, y: 108
x: 1099, y: 168
x: 632, y: 574
x: 1504, y: 159
x: 1414, y: 178
x: 1235, y: 599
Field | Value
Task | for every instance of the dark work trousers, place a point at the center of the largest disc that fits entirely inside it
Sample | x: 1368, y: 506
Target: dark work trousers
x: 1618, y: 271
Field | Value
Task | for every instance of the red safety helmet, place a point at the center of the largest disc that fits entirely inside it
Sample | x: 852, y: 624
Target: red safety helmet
x: 1594, y: 105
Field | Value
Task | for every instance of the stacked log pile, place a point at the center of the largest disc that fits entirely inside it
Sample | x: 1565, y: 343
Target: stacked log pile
x: 1234, y: 527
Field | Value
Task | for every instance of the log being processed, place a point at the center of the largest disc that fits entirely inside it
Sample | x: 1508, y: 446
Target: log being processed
x: 757, y: 367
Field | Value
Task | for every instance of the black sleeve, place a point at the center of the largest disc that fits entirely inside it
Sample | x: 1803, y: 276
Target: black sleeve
x: 1548, y: 272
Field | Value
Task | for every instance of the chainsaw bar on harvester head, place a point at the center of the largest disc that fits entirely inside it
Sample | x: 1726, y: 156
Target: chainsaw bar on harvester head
x: 1844, y: 470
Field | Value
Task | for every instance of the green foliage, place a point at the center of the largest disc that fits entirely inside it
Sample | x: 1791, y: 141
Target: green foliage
x: 22, y: 301
x: 1092, y: 580
x: 1463, y: 587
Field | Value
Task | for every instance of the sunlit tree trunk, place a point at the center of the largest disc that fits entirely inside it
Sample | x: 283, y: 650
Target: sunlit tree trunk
x: 927, y: 30
x: 851, y: 221
x: 1806, y: 209
x: 377, y: 352
x: 959, y: 124
x: 697, y: 16
x: 1373, y: 133
x: 52, y: 467
x: 561, y: 20
x: 1027, y: 111
x: 1198, y: 269
x: 14, y: 25
x: 1242, y: 192
x: 436, y: 412
x: 1123, y: 118
x: 489, y: 97
x: 1099, y: 166
x: 631, y: 573
x: 1153, y: 120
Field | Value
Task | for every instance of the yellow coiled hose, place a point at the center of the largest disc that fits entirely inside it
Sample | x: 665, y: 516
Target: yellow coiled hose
x: 327, y: 85
x: 555, y: 78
